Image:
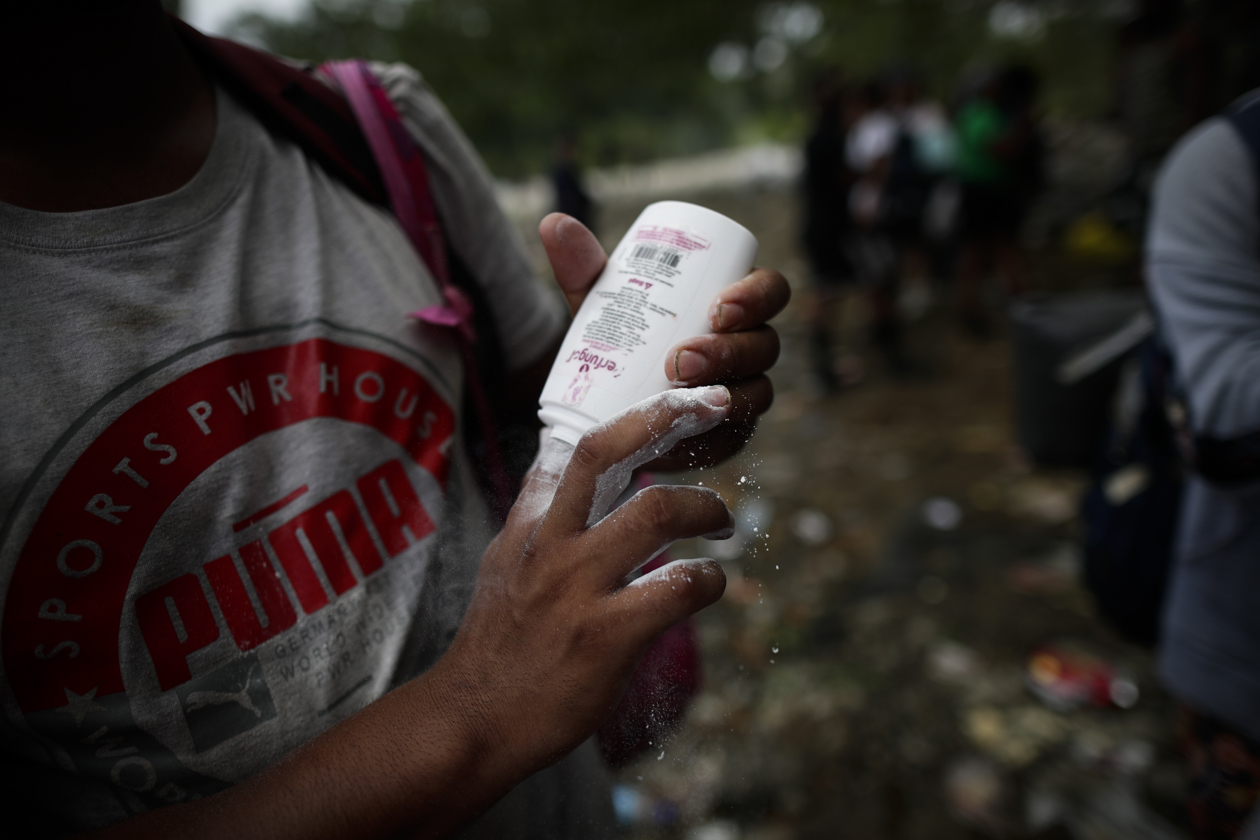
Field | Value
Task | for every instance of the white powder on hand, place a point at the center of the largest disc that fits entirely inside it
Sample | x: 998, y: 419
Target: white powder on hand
x: 671, y: 416
x: 544, y: 476
x: 696, y: 415
x: 675, y: 570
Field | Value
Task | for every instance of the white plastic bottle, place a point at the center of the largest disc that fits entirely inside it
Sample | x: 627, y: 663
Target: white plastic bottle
x: 655, y: 292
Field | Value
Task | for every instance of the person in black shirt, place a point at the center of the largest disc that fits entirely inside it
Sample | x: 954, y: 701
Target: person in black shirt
x: 825, y: 187
x: 566, y: 179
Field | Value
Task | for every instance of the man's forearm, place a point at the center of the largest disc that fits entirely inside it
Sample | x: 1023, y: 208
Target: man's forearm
x: 416, y: 763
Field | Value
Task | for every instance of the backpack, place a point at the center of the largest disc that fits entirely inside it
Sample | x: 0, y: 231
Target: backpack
x: 292, y: 102
x: 1131, y: 507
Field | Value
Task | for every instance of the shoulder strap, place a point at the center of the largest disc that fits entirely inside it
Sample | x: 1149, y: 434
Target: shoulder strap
x: 296, y: 104
x: 406, y: 179
x: 401, y: 164
x: 334, y: 130
x: 293, y: 103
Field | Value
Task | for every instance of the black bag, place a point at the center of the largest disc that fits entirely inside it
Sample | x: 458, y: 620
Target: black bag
x: 292, y: 103
x: 1068, y: 353
x: 1130, y: 510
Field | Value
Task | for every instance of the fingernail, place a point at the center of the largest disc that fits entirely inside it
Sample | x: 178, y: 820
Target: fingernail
x: 689, y: 365
x: 729, y: 315
x: 717, y: 396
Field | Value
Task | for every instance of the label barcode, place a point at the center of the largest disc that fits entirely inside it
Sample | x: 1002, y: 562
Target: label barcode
x: 665, y: 256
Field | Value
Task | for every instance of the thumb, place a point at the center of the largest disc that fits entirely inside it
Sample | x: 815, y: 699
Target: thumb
x: 576, y: 256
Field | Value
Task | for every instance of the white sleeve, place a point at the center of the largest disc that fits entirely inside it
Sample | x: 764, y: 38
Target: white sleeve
x: 1203, y: 267
x: 858, y: 146
x: 527, y: 317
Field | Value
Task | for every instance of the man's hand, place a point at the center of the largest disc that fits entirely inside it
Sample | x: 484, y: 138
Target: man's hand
x: 553, y: 633
x: 738, y: 353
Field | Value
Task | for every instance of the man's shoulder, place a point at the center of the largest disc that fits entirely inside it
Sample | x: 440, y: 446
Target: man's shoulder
x: 1212, y: 145
x: 1206, y: 198
x: 1216, y: 149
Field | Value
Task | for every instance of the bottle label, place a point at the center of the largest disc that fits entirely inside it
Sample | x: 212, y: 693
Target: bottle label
x: 652, y: 277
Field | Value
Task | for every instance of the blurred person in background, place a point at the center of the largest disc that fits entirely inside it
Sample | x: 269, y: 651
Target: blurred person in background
x: 1203, y: 271
x: 868, y: 152
x: 571, y: 197
x: 999, y: 167
x: 212, y: 377
x: 827, y: 227
x: 920, y: 156
x: 894, y: 150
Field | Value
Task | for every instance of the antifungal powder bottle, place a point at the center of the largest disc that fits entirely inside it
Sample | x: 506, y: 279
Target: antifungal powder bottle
x: 655, y: 292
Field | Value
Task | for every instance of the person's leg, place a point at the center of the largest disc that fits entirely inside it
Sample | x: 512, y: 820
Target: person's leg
x: 916, y: 295
x: 1224, y: 776
x: 820, y: 317
x: 884, y: 276
x: 1012, y: 266
x: 973, y: 259
x: 979, y: 218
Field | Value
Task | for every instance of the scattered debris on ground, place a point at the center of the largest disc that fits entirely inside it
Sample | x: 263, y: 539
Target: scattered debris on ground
x: 904, y: 650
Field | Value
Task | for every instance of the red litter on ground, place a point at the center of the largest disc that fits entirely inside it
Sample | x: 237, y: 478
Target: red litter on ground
x: 1066, y: 678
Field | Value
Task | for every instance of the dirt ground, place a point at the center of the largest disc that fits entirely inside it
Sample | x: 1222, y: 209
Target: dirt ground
x: 898, y: 563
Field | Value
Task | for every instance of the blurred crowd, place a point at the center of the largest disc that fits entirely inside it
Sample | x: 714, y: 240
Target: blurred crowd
x: 908, y: 199
x: 899, y: 188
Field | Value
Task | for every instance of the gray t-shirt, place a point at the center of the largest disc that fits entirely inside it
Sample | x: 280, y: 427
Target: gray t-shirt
x: 236, y: 502
x: 1203, y: 265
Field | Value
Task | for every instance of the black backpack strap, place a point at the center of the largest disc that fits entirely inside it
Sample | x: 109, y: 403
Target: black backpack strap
x: 295, y: 104
x: 292, y: 102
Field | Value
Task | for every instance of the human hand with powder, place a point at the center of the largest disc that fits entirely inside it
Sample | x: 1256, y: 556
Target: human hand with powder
x: 542, y: 657
x: 553, y: 633
x: 741, y: 348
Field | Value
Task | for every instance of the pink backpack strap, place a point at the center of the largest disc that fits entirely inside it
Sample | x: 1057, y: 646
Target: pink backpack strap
x: 401, y: 164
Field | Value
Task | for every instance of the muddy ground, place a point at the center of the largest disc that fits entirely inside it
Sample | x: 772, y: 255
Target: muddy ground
x: 865, y: 671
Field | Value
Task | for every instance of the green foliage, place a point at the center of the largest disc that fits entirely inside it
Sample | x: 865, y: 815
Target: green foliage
x: 946, y: 40
x: 631, y: 78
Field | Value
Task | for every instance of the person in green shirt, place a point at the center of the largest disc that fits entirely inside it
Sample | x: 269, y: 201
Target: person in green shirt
x: 998, y: 168
x: 980, y: 123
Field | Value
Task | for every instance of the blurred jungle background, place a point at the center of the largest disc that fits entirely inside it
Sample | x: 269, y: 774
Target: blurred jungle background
x: 907, y: 647
x: 641, y: 79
